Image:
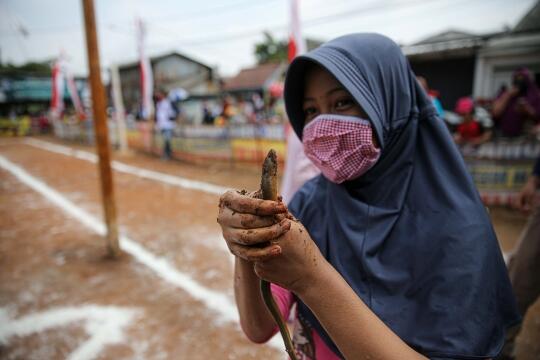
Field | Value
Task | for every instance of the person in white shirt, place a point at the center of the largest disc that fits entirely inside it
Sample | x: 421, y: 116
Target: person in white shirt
x: 165, y: 116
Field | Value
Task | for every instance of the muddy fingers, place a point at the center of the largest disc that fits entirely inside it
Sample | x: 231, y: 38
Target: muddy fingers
x: 253, y: 237
x: 249, y: 205
x: 254, y: 254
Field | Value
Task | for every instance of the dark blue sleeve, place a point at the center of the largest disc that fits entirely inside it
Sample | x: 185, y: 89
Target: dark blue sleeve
x: 300, y: 198
x: 536, y: 170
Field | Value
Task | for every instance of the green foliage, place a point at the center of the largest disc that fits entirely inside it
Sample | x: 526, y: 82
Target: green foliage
x: 30, y: 68
x: 271, y: 50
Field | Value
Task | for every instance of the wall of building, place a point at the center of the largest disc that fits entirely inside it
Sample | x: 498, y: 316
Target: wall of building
x: 169, y: 73
x: 131, y: 89
x: 500, y: 57
x: 452, y: 77
x: 175, y: 72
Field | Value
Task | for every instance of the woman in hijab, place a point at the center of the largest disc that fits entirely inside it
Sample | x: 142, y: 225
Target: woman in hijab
x: 515, y: 107
x: 391, y: 254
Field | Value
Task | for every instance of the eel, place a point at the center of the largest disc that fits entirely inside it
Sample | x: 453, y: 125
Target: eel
x: 269, y: 192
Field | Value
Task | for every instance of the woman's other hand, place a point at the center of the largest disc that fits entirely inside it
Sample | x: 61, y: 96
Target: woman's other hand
x: 299, y: 262
x: 525, y: 198
x: 250, y: 225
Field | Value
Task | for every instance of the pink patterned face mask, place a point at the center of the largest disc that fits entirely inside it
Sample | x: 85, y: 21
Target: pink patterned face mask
x: 340, y: 146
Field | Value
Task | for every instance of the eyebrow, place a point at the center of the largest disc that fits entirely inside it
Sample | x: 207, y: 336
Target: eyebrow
x: 327, y: 93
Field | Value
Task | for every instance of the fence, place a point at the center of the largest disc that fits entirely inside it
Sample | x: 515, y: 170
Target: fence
x: 499, y: 168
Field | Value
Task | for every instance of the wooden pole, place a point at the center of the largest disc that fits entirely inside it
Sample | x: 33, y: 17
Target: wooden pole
x: 100, y: 127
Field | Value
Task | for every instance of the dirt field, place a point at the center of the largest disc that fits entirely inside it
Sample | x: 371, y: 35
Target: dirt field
x: 168, y: 297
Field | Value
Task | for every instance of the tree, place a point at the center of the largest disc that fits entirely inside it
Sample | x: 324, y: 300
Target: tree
x: 30, y: 68
x: 270, y: 50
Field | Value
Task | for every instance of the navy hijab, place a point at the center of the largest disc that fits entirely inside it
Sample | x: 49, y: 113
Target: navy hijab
x: 411, y: 236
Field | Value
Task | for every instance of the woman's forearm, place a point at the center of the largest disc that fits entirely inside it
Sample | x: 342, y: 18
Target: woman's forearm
x: 354, y: 328
x: 500, y: 104
x: 255, y: 319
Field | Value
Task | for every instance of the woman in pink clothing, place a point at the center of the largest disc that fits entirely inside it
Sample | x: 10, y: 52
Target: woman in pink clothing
x: 389, y: 253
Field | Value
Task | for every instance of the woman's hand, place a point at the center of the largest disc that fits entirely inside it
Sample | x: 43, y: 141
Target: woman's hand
x: 250, y: 225
x: 525, y: 199
x: 299, y: 262
x: 264, y: 233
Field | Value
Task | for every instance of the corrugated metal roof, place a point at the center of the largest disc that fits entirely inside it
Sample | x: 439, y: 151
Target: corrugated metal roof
x: 531, y: 21
x: 252, y: 78
x: 448, y: 41
x: 155, y: 59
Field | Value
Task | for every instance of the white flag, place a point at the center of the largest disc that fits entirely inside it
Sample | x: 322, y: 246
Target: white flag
x: 298, y: 168
x: 147, y: 79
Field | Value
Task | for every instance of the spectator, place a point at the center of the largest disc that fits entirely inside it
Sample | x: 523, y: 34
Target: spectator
x: 515, y: 107
x: 524, y: 263
x: 165, y: 117
x: 208, y: 118
x: 433, y: 95
x: 475, y: 126
x: 258, y: 106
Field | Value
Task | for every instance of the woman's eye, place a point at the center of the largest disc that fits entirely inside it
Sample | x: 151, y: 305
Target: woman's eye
x: 310, y: 111
x: 343, y: 104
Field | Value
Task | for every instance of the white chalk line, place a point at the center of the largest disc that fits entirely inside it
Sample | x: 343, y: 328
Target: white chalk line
x: 136, y: 171
x: 213, y: 300
x: 129, y: 169
x: 104, y: 324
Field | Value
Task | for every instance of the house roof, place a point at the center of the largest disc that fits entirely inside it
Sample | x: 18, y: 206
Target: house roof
x: 457, y: 42
x: 448, y: 35
x: 155, y: 59
x: 252, y: 78
x: 531, y: 20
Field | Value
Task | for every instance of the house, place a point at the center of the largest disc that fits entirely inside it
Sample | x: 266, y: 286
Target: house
x: 458, y: 63
x: 30, y: 93
x: 501, y: 55
x: 255, y: 79
x: 171, y: 71
x: 447, y: 61
x: 261, y: 78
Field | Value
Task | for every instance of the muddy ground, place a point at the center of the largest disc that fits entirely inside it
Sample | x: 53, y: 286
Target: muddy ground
x: 49, y: 260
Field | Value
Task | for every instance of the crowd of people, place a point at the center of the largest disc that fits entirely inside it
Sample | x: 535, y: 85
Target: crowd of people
x: 513, y: 113
x: 250, y: 108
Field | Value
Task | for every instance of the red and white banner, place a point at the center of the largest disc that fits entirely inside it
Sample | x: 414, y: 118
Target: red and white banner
x: 297, y: 44
x: 60, y: 76
x: 74, y: 94
x: 57, y: 89
x: 298, y: 168
x: 147, y: 79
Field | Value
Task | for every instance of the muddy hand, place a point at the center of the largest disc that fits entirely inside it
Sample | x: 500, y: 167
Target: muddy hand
x: 250, y: 224
x: 299, y: 262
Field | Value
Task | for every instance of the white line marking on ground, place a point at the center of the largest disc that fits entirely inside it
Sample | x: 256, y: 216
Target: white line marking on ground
x: 214, y: 300
x: 104, y: 324
x: 129, y: 169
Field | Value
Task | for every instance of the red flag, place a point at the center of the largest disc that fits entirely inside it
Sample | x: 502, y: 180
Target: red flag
x: 57, y: 89
x: 297, y: 45
x: 74, y: 94
x: 298, y: 168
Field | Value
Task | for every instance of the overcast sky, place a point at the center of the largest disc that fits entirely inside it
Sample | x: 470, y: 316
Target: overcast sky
x: 223, y: 33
